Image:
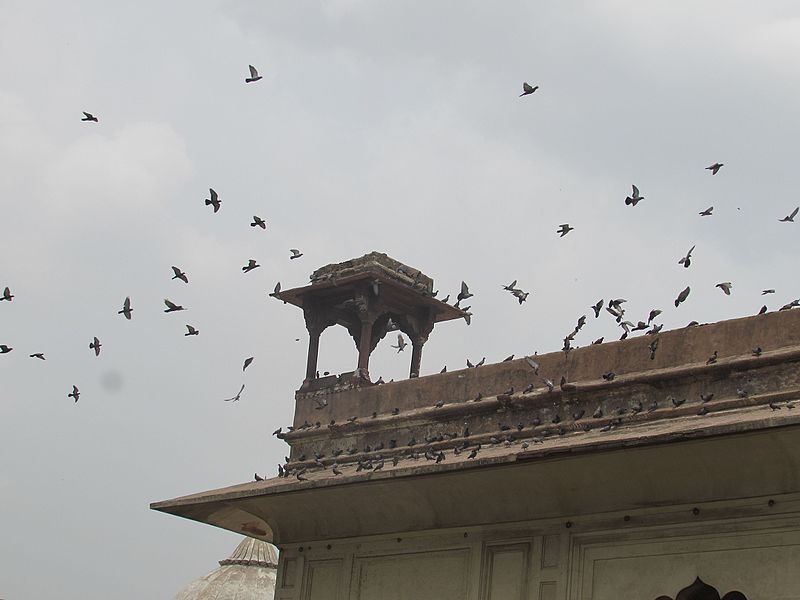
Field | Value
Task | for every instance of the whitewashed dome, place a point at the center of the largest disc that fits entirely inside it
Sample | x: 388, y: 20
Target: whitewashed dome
x: 247, y: 574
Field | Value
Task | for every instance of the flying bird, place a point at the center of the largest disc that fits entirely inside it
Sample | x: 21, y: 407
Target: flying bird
x: 714, y: 168
x: 214, y: 200
x: 237, y: 397
x: 464, y: 293
x: 510, y: 287
x: 725, y: 286
x: 790, y: 217
x: 682, y: 296
x: 5, y: 349
x: 277, y: 289
x: 295, y: 253
x: 520, y: 295
x: 7, y: 295
x: 126, y: 309
x: 89, y: 117
x: 95, y: 345
x: 653, y: 314
x: 178, y: 274
x: 687, y: 260
x: 39, y: 355
x: 76, y: 393
x: 528, y: 89
x: 258, y: 222
x: 707, y: 212
x: 634, y: 198
x: 769, y: 291
x: 251, y: 264
x: 401, y: 343
x: 171, y: 306
x: 597, y: 308
x: 191, y: 331
x: 254, y: 76
x: 247, y: 363
x: 564, y: 229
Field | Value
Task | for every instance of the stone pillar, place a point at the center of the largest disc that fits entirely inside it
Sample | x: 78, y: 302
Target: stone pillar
x: 313, y: 353
x: 417, y: 342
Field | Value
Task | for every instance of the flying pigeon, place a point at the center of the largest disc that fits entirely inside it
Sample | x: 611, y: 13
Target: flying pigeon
x: 528, y: 89
x: 769, y: 291
x: 725, y: 286
x: 597, y: 308
x: 247, y: 363
x: 707, y: 212
x: 510, y: 287
x: 295, y: 253
x: 191, y: 331
x: 89, y: 117
x: 401, y: 343
x: 254, y: 76
x: 790, y: 217
x: 687, y: 260
x: 520, y: 295
x: 171, y: 306
x: 5, y: 349
x: 39, y: 355
x: 634, y: 198
x: 179, y: 275
x: 95, y: 345
x: 258, y: 222
x: 464, y: 293
x: 682, y: 296
x: 237, y: 397
x: 214, y: 200
x: 564, y: 229
x: 714, y: 168
x: 75, y: 393
x: 7, y: 295
x: 126, y: 309
x: 653, y: 314
x: 251, y: 264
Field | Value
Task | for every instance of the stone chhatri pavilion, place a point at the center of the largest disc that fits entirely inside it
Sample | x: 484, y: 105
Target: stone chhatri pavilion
x: 642, y: 487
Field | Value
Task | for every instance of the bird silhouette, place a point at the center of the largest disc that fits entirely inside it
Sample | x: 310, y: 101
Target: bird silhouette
x: 76, y: 393
x: 95, y: 345
x: 725, y: 286
x: 687, y: 260
x: 214, y: 200
x: 295, y: 253
x: 464, y: 293
x: 258, y: 222
x: 254, y: 76
x: 564, y: 229
x: 178, y: 274
x: 247, y: 363
x: 7, y: 295
x: 5, y: 349
x: 707, y: 212
x: 251, y: 264
x: 191, y: 331
x: 237, y: 397
x: 257, y: 477
x: 126, y: 309
x: 714, y: 168
x: 38, y: 355
x: 597, y: 308
x: 89, y: 117
x: 790, y: 217
x: 401, y: 343
x: 528, y: 89
x: 682, y: 296
x: 635, y: 197
x: 171, y: 306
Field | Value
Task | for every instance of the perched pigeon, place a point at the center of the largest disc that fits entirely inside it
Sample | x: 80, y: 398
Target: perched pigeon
x: 258, y: 222
x: 95, y: 345
x: 75, y: 393
x: 295, y: 253
x: 528, y: 89
x: 257, y: 477
x: 171, y: 306
x: 713, y: 358
x: 89, y: 117
x: 725, y: 286
x: 634, y: 198
x: 564, y: 229
x: 254, y: 76
x: 714, y: 168
x: 191, y: 331
x: 126, y: 309
x: 214, y: 200
x: 7, y: 295
x: 247, y: 362
x: 790, y: 217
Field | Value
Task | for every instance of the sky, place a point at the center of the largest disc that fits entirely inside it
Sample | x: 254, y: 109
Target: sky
x: 389, y: 126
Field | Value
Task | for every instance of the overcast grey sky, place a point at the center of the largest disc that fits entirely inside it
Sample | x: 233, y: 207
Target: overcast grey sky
x: 390, y: 126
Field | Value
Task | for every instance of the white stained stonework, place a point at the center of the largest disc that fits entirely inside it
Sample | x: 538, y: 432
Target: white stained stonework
x: 248, y: 574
